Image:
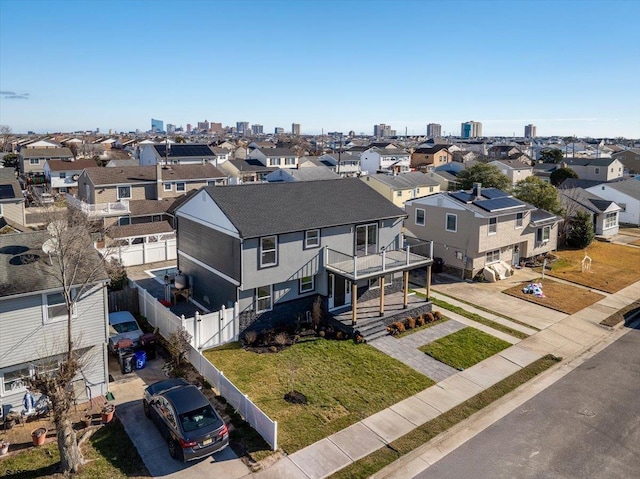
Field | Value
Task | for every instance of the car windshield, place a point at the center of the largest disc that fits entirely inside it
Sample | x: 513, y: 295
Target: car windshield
x: 199, y: 418
x: 125, y: 327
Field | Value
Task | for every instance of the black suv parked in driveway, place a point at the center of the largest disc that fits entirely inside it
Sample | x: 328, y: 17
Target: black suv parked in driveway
x: 186, y: 419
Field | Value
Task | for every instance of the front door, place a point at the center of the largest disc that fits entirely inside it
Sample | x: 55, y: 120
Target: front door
x: 339, y: 292
x: 516, y: 255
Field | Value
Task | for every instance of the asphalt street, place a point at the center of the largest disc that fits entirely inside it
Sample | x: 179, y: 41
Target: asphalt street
x: 587, y: 425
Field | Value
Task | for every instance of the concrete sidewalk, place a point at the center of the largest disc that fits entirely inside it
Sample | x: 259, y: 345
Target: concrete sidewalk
x: 561, y: 335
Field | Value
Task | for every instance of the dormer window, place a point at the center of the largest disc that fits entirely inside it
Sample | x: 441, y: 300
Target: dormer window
x: 124, y: 192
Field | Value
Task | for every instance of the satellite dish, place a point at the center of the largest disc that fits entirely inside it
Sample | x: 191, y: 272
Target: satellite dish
x: 50, y: 246
x: 75, y: 177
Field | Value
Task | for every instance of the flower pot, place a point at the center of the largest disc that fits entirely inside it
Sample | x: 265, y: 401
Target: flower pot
x: 87, y: 419
x: 38, y: 436
x: 107, y: 413
x: 4, y: 448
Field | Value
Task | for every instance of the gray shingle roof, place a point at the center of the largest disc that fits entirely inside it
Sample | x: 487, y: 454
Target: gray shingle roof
x: 78, y: 165
x: 150, y: 207
x: 276, y: 208
x: 46, y: 153
x: 585, y: 198
x: 145, y: 174
x: 629, y: 187
x: 406, y: 180
x: 277, y: 152
x: 18, y: 275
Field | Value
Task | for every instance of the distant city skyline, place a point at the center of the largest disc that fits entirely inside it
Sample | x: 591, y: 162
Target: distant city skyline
x: 556, y: 65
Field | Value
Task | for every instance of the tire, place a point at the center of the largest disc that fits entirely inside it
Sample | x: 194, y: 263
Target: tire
x: 173, y: 448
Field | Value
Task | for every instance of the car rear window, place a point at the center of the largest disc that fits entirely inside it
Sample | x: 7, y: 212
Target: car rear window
x: 125, y: 327
x: 199, y: 418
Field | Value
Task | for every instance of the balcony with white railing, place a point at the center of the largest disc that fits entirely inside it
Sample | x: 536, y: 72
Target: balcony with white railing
x: 99, y: 209
x: 376, y: 264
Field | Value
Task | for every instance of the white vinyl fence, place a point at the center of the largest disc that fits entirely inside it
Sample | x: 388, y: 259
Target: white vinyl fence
x: 143, y: 253
x: 207, y: 331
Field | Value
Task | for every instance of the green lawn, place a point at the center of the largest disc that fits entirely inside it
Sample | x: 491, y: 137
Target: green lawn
x: 109, y: 451
x: 344, y: 382
x: 464, y: 348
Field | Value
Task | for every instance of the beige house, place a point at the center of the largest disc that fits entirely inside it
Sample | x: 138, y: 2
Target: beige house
x: 402, y: 187
x: 32, y: 160
x: 111, y: 192
x: 475, y: 229
x: 515, y: 170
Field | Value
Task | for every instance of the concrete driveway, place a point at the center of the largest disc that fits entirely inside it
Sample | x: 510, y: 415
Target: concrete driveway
x: 144, y: 435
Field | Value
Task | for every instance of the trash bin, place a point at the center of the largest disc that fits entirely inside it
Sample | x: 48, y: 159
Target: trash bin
x: 126, y: 358
x: 148, y: 342
x: 140, y: 359
x: 438, y: 265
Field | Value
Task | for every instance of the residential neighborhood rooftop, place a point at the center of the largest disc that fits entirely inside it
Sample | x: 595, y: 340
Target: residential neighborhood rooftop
x: 145, y: 174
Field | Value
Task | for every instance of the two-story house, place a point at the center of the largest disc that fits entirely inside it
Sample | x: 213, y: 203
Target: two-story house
x: 33, y: 320
x: 110, y: 192
x: 385, y: 160
x: 275, y: 157
x: 246, y: 171
x: 515, y: 170
x: 599, y: 169
x: 474, y: 229
x: 630, y: 160
x: 603, y: 212
x: 273, y: 248
x: 32, y: 160
x: 62, y: 176
x: 345, y: 163
x: 427, y: 158
x: 402, y: 187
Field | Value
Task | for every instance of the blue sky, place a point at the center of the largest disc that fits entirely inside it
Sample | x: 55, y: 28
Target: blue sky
x: 568, y: 67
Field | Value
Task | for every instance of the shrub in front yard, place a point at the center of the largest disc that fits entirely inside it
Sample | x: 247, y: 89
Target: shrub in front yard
x: 410, y: 323
x: 250, y: 337
x: 420, y: 321
x: 429, y: 317
x: 437, y: 315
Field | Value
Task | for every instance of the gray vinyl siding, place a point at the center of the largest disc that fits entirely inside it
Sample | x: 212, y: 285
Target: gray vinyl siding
x: 25, y: 338
x: 214, y: 248
x: 209, y: 289
x: 14, y: 212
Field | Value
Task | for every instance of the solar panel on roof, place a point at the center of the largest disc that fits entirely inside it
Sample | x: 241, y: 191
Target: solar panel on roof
x: 499, y: 204
x: 463, y: 196
x: 492, y: 193
x: 6, y: 192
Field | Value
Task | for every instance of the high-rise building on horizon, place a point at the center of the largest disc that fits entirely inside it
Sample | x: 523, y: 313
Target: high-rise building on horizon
x: 257, y: 129
x: 382, y: 130
x: 242, y: 127
x: 471, y: 129
x: 215, y: 127
x: 171, y: 129
x: 295, y: 129
x: 157, y: 126
x: 434, y: 130
x: 278, y: 130
x: 203, y: 126
x: 530, y: 131
x: 189, y: 127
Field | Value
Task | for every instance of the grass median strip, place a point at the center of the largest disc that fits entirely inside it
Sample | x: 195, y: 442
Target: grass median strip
x: 381, y: 458
x: 479, y: 319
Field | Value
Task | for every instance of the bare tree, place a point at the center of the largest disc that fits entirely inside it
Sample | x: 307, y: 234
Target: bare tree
x: 5, y: 136
x: 77, y: 269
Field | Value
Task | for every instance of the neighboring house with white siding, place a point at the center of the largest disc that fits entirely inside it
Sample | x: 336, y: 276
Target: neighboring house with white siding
x: 626, y: 194
x: 33, y: 321
x: 12, y: 212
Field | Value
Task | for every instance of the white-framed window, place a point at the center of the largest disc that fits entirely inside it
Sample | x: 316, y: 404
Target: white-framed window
x: 543, y: 234
x: 519, y: 220
x: 307, y: 284
x: 366, y: 239
x: 290, y: 161
x: 124, y: 192
x: 492, y: 256
x: 268, y: 251
x: 181, y: 186
x: 597, y: 171
x: 167, y: 186
x: 399, y: 193
x: 493, y: 226
x: 420, y: 217
x: 264, y: 298
x: 311, y: 239
x: 610, y: 220
x: 274, y: 161
x: 34, y: 161
x: 63, y: 175
x: 452, y: 222
x: 54, y: 308
x: 15, y: 379
x: 124, y: 220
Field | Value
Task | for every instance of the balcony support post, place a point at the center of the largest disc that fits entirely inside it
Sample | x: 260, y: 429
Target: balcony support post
x: 428, y: 285
x: 381, y: 295
x: 405, y: 289
x: 354, y: 303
